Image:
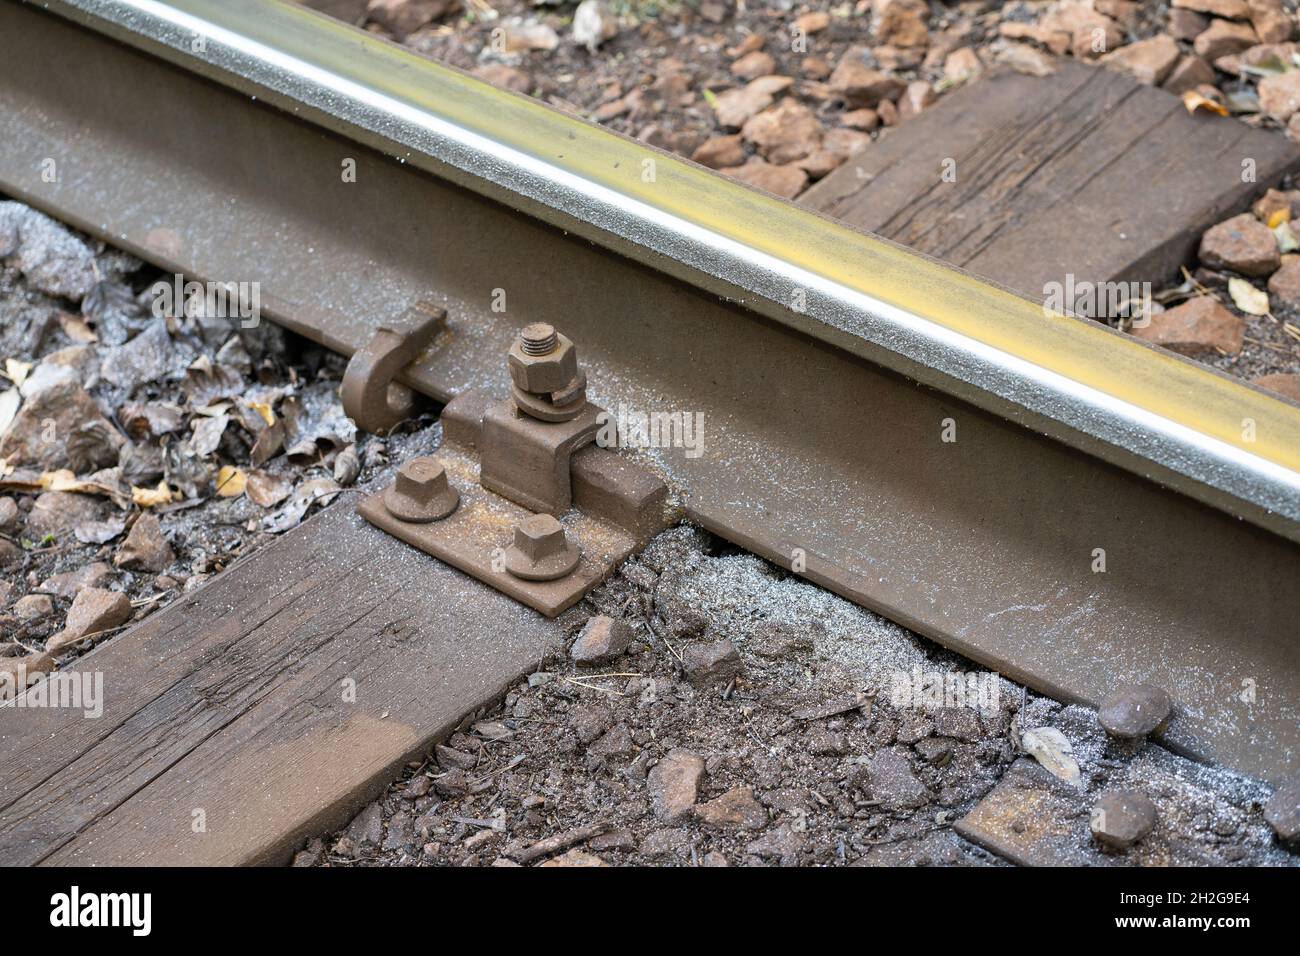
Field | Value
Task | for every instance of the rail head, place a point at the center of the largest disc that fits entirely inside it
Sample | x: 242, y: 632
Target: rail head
x: 1195, y: 430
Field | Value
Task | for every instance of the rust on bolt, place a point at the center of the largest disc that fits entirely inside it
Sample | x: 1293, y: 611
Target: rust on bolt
x: 547, y: 383
x: 541, y: 550
x: 421, y: 492
x: 540, y: 338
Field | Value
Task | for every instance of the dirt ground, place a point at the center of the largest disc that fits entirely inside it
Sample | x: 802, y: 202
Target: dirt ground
x: 803, y: 752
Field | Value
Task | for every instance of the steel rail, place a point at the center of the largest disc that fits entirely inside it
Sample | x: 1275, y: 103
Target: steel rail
x: 1111, y: 396
x: 816, y: 447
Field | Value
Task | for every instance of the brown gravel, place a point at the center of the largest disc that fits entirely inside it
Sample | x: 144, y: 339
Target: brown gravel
x: 798, y: 754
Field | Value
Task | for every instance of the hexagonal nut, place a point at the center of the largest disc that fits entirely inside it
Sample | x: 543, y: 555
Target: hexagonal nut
x: 543, y: 374
x: 421, y: 478
x: 421, y: 492
x: 541, y: 550
x: 540, y: 537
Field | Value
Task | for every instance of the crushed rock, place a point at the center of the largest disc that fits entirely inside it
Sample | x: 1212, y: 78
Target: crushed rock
x: 803, y: 758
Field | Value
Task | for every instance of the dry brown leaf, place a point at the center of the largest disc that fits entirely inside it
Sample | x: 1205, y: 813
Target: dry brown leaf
x: 207, y: 434
x: 75, y: 328
x: 99, y: 532
x: 266, y: 489
x: 322, y: 490
x: 231, y: 481
x: 61, y: 480
x: 152, y: 497
x: 1195, y: 101
x: 65, y: 480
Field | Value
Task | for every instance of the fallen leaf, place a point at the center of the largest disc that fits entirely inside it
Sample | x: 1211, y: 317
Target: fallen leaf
x: 265, y: 410
x: 59, y: 480
x: 10, y: 399
x: 231, y: 482
x: 1246, y: 297
x: 206, y: 384
x: 64, y: 480
x: 152, y: 497
x: 304, y: 452
x: 17, y: 371
x: 304, y: 496
x: 268, y: 443
x: 1052, y: 749
x: 347, y: 466
x: 1279, y: 217
x: 207, y: 434
x: 29, y: 482
x: 212, y: 411
x: 99, y: 532
x: 1195, y: 101
x: 266, y: 489
x: 151, y: 419
x: 24, y: 480
x: 75, y: 328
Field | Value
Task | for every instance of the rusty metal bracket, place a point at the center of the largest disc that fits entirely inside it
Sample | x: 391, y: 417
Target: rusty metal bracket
x: 370, y: 396
x: 534, y: 457
x: 478, y: 538
x: 527, y: 460
x: 618, y: 506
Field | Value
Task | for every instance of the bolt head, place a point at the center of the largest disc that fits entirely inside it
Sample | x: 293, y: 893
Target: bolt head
x: 541, y: 550
x: 421, y: 479
x: 539, y: 537
x: 543, y: 374
x: 421, y: 492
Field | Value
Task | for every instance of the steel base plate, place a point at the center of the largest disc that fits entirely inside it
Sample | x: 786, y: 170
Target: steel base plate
x: 475, y: 536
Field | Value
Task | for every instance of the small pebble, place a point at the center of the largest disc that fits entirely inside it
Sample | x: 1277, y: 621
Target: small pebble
x: 33, y: 607
x: 1122, y: 817
x: 10, y: 517
x: 602, y: 639
x: 1134, y: 711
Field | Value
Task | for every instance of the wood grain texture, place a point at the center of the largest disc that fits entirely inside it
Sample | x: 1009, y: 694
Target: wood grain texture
x: 1086, y: 172
x: 230, y: 701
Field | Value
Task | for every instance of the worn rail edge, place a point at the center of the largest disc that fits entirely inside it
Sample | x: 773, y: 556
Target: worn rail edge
x: 1121, y: 400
